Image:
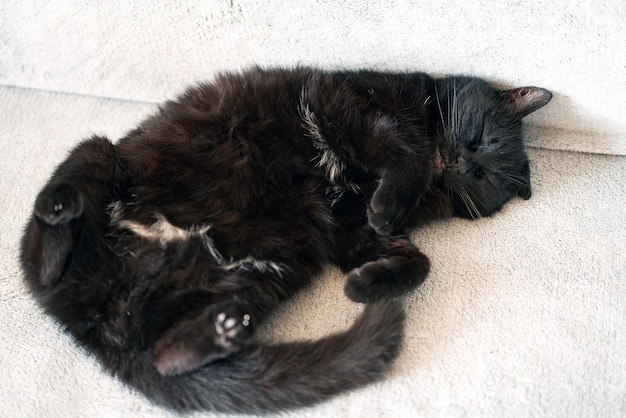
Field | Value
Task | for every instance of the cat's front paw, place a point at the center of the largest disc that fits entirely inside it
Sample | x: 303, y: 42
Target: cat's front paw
x: 58, y: 204
x: 385, y: 278
x: 382, y: 223
x: 384, y: 215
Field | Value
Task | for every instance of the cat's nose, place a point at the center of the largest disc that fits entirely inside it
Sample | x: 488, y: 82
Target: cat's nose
x: 461, y: 166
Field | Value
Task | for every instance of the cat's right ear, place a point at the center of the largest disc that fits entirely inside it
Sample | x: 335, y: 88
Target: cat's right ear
x: 526, y: 100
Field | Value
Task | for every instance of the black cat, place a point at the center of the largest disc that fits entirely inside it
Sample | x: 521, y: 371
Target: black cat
x: 162, y: 253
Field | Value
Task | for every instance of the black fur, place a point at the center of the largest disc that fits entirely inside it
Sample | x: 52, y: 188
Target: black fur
x: 162, y: 253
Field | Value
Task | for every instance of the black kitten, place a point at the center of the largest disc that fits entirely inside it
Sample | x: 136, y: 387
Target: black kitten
x: 162, y: 253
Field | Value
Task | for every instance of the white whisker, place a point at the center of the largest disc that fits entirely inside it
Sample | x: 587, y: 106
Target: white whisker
x: 513, y: 179
x: 455, y: 112
x: 443, y: 121
x: 469, y: 204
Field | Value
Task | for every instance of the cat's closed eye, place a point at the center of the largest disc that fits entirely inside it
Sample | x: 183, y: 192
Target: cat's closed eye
x: 477, y: 138
x: 474, y: 143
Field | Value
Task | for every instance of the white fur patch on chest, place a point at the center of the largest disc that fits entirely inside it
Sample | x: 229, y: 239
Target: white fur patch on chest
x: 165, y: 233
x: 162, y: 231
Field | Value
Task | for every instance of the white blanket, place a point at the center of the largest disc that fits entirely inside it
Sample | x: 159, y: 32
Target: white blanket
x: 149, y: 51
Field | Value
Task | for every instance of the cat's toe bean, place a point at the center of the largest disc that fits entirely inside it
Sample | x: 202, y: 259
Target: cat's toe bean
x: 219, y: 323
x: 230, y: 323
x: 232, y: 333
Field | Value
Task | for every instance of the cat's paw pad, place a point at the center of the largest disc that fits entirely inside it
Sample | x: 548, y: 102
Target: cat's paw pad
x: 233, y: 327
x: 218, y: 333
x: 57, y: 204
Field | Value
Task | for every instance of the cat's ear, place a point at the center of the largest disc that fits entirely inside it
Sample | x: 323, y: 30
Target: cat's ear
x: 524, y: 190
x: 526, y: 100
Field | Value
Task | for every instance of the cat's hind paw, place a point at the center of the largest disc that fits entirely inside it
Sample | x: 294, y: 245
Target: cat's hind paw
x: 58, y: 204
x: 233, y: 327
x: 221, y: 331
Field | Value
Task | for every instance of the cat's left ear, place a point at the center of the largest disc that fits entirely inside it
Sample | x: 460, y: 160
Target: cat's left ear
x: 526, y: 100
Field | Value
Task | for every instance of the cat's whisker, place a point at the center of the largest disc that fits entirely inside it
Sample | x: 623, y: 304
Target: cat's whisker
x: 455, y: 111
x: 469, y: 203
x: 465, y: 203
x: 520, y: 181
x: 452, y: 128
x: 443, y: 121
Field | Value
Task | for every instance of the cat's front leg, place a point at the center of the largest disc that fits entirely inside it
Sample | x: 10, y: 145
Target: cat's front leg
x: 399, y: 191
x: 401, y: 157
x: 381, y: 267
x: 378, y: 266
x: 388, y: 208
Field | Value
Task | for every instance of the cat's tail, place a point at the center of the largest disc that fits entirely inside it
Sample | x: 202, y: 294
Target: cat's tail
x: 265, y: 379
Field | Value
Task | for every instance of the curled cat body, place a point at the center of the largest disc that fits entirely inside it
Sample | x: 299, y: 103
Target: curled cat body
x: 163, y: 252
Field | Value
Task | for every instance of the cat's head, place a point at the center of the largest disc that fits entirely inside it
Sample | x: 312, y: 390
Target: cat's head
x: 483, y: 163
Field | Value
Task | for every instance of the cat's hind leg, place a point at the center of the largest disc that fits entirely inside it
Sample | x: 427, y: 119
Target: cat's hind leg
x: 58, y: 204
x: 226, y: 326
x: 48, y: 240
x: 82, y: 183
x: 221, y: 330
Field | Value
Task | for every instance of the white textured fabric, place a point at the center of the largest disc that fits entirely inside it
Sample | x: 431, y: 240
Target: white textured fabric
x: 149, y: 50
x: 523, y: 314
